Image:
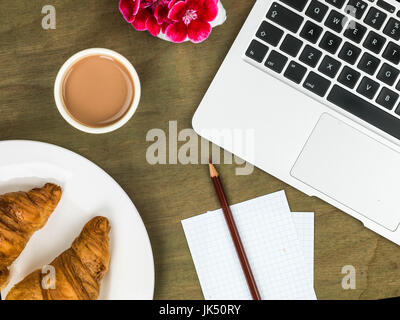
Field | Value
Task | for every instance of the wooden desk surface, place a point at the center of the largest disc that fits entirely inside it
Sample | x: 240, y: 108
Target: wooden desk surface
x: 174, y: 79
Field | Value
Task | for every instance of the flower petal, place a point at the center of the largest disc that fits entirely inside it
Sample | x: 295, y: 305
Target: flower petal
x: 198, y: 30
x: 140, y: 20
x: 194, y: 4
x: 164, y: 27
x: 161, y: 13
x: 129, y: 9
x: 152, y: 26
x: 177, y: 11
x: 172, y: 3
x: 177, y: 32
x: 209, y: 11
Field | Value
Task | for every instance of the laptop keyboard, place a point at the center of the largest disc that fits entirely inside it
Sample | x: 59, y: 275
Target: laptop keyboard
x: 345, y: 52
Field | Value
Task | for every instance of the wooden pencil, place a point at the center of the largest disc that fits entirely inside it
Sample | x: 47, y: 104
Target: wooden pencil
x: 234, y: 233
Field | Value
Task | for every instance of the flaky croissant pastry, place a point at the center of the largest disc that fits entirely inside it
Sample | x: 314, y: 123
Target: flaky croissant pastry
x: 78, y: 271
x: 21, y: 215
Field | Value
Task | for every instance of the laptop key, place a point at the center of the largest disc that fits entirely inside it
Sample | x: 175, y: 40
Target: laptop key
x: 317, y: 10
x: 349, y: 77
x: 285, y: 17
x: 356, y: 8
x: 296, y: 4
x: 356, y: 31
x: 375, y: 18
x: 335, y: 21
x: 388, y: 74
x: 368, y: 63
x: 349, y: 53
x: 374, y: 42
x: 365, y: 110
x: 337, y: 3
x: 316, y: 84
x: 387, y: 98
x: 368, y: 87
x: 311, y: 32
x: 295, y: 72
x: 329, y: 67
x: 276, y: 61
x: 291, y: 45
x: 386, y: 6
x: 310, y: 56
x: 392, y: 53
x: 257, y: 51
x: 392, y: 29
x: 269, y: 33
x: 330, y: 42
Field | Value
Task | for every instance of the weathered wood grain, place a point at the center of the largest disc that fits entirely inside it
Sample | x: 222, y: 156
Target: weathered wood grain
x: 174, y: 79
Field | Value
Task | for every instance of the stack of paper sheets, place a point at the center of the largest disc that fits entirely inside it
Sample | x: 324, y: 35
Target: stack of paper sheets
x: 279, y: 246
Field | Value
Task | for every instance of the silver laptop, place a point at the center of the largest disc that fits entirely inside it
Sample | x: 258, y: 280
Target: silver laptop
x: 316, y: 83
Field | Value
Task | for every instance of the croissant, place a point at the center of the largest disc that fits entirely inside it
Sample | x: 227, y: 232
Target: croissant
x: 21, y: 215
x: 78, y: 271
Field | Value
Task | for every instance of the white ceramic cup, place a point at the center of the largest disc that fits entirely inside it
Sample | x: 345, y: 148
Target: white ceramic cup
x: 58, y: 95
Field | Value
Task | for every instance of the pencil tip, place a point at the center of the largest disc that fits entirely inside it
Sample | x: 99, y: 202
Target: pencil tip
x: 213, y: 171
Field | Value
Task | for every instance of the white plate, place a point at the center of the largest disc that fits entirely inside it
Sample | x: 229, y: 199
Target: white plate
x: 87, y: 192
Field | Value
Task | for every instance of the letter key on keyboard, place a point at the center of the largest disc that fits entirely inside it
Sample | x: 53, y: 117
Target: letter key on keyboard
x: 368, y: 87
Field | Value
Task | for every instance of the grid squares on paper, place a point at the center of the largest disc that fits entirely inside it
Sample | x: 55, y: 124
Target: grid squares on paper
x: 304, y: 223
x: 270, y: 240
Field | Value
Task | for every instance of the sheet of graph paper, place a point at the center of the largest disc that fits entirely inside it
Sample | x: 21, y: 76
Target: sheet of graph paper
x: 272, y: 245
x: 304, y: 223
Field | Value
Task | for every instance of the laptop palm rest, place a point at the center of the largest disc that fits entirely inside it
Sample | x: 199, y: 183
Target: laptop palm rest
x: 352, y: 169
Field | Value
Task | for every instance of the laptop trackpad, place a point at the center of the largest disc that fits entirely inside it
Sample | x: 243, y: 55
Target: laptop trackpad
x: 353, y: 169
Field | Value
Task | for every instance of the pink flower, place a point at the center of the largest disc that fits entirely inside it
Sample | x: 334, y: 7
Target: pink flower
x: 159, y: 20
x: 151, y: 15
x: 178, y: 19
x: 129, y: 9
x: 191, y: 18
